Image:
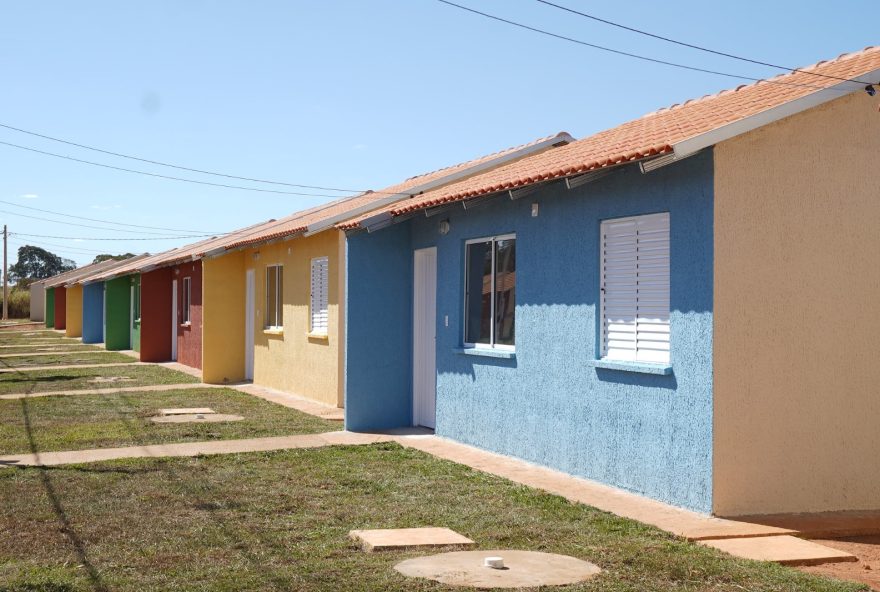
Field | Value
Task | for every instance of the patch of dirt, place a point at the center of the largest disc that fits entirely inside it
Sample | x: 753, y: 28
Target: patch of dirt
x: 866, y: 570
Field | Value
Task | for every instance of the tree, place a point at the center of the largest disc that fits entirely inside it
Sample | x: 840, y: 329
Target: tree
x: 106, y: 256
x: 35, y: 263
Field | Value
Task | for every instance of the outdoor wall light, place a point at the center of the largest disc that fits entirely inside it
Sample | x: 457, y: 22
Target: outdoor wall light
x: 870, y: 90
x: 444, y: 227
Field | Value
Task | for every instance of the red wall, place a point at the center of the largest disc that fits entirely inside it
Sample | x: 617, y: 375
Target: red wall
x: 60, y: 307
x: 189, y: 338
x: 156, y: 315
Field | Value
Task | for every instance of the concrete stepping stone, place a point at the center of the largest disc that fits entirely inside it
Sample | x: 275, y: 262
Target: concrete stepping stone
x: 395, y: 539
x: 186, y: 411
x: 786, y: 549
x: 196, y: 418
x: 521, y: 569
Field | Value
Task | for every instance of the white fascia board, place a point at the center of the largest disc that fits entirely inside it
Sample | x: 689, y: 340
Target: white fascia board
x: 742, y: 126
x: 561, y: 137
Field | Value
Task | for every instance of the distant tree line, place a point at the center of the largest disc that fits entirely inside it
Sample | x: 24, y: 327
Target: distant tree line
x: 35, y: 263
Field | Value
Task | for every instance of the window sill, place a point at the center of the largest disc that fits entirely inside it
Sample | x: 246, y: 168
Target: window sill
x: 640, y: 367
x: 318, y: 336
x: 186, y: 325
x: 486, y: 352
x: 273, y: 331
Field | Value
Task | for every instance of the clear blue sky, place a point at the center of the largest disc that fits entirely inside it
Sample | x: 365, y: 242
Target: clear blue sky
x: 343, y: 93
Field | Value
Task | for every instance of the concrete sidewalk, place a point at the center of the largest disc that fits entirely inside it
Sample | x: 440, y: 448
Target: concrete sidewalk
x: 54, y: 353
x: 70, y: 367
x: 290, y: 400
x: 111, y: 391
x: 192, y: 449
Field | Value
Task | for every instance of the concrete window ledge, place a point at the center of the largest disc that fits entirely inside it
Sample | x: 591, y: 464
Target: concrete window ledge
x: 639, y: 367
x: 273, y: 331
x: 318, y: 336
x: 486, y: 352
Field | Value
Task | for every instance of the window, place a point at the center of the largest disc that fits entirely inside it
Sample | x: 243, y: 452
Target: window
x: 318, y: 301
x: 274, y: 283
x: 634, y: 289
x: 490, y: 292
x: 187, y: 299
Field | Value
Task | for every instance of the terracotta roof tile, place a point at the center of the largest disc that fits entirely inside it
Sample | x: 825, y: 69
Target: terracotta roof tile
x: 651, y: 135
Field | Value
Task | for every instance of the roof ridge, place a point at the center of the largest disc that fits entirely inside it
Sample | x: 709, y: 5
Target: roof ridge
x: 485, y: 157
x: 773, y: 79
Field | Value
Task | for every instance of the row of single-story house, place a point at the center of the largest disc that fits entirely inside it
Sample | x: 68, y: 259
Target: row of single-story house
x: 666, y: 306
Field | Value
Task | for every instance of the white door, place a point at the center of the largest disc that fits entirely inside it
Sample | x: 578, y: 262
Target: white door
x: 131, y: 321
x: 249, y: 326
x: 424, y: 337
x: 173, y: 320
x: 104, y: 315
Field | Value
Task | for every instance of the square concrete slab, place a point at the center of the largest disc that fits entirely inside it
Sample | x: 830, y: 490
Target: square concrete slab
x: 187, y: 411
x: 395, y: 539
x: 787, y: 550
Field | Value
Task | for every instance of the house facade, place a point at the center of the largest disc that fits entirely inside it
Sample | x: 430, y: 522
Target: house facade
x: 657, y: 307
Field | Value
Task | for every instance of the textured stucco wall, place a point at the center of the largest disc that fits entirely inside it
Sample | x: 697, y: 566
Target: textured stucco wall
x: 93, y: 313
x: 378, y: 340
x: 38, y: 302
x: 50, y: 308
x: 60, y: 307
x: 294, y: 361
x: 189, y: 337
x: 118, y: 313
x: 646, y: 433
x: 796, y: 299
x: 74, y: 311
x: 223, y: 295
x: 156, y: 315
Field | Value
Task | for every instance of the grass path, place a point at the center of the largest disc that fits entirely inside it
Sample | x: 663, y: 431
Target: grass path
x: 66, y: 359
x: 89, y: 378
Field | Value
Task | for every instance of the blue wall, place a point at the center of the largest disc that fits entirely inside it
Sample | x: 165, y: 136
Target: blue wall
x: 650, y: 434
x: 93, y: 313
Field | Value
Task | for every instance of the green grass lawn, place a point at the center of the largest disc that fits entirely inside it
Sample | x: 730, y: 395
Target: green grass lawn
x: 122, y: 419
x: 53, y: 359
x: 279, y: 521
x: 13, y: 337
x: 41, y: 381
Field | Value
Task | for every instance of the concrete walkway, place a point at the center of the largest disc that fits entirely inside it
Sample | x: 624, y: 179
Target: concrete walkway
x: 290, y: 400
x: 54, y: 353
x: 193, y: 449
x: 69, y: 367
x: 111, y: 391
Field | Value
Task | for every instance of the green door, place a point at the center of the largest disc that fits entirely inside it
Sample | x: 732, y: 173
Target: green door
x: 50, y: 308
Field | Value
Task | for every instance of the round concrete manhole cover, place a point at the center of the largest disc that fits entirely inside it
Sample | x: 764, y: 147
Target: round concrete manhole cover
x: 522, y: 569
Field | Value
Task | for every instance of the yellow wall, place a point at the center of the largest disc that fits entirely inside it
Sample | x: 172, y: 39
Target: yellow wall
x: 293, y: 361
x: 797, y: 329
x: 74, y: 311
x: 223, y: 294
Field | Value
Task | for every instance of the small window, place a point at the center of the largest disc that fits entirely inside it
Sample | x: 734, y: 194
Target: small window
x: 187, y: 299
x: 274, y: 300
x: 634, y: 289
x: 490, y: 292
x: 318, y: 300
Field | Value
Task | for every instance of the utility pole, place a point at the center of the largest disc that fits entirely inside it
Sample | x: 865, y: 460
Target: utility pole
x: 5, y: 283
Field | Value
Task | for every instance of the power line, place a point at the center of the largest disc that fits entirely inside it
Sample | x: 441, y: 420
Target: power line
x: 54, y: 246
x: 84, y: 225
x: 628, y: 54
x: 175, y: 166
x: 92, y: 238
x: 697, y: 47
x: 157, y: 175
x: 96, y: 219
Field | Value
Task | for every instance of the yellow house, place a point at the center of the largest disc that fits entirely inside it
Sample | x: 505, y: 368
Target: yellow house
x: 273, y: 301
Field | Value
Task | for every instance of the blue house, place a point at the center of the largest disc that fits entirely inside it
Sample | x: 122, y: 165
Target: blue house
x: 656, y: 307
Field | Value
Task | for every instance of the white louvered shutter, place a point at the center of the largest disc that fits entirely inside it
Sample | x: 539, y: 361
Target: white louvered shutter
x: 635, y: 288
x: 320, y: 280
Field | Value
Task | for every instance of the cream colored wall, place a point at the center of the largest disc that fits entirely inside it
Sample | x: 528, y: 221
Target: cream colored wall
x: 223, y: 296
x: 73, y: 307
x: 294, y: 361
x: 797, y: 329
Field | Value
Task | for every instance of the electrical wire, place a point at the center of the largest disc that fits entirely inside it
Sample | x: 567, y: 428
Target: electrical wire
x: 41, y: 244
x: 160, y: 234
x: 631, y: 55
x: 92, y: 238
x: 697, y: 47
x: 175, y: 166
x: 157, y: 175
x: 98, y: 219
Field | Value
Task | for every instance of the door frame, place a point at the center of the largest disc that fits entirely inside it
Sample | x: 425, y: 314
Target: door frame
x: 174, y: 320
x: 424, y: 349
x: 250, y: 287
